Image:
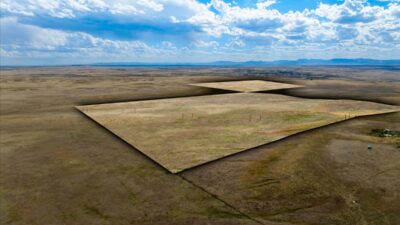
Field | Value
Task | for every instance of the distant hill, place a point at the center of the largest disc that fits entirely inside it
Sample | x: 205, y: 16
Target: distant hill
x: 299, y: 62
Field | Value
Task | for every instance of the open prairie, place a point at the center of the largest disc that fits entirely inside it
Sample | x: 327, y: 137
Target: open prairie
x: 324, y: 176
x: 181, y: 133
x: 247, y: 85
x: 59, y: 167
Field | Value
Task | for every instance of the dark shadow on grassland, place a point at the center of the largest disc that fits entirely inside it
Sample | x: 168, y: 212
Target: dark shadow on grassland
x: 193, y: 92
x: 119, y: 139
x: 334, y: 94
x: 277, y: 142
x: 158, y: 165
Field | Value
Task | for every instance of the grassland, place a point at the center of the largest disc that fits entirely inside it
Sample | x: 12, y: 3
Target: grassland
x: 58, y: 167
x: 325, y: 176
x: 182, y: 133
x: 247, y: 85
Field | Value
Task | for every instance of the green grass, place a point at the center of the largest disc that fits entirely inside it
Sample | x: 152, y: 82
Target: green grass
x: 385, y: 133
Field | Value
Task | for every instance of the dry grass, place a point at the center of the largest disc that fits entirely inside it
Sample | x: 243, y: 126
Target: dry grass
x: 323, y: 177
x: 58, y: 167
x: 247, y: 86
x: 185, y: 132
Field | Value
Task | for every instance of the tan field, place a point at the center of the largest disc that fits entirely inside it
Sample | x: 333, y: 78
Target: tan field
x: 181, y: 133
x: 59, y: 167
x: 247, y: 85
x: 320, y: 177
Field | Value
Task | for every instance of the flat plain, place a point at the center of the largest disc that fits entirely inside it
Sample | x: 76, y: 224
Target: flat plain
x: 324, y: 176
x: 59, y: 167
x: 247, y: 85
x: 180, y: 133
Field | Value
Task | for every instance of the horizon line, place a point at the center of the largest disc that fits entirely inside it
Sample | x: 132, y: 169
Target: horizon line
x: 219, y: 63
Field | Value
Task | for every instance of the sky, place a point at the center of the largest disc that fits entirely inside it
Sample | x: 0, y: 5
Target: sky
x: 57, y: 32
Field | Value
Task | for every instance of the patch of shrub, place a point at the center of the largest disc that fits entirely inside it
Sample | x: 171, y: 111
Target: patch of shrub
x: 385, y: 133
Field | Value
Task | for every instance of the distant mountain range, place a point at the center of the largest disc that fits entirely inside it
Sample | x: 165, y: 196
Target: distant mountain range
x: 299, y: 62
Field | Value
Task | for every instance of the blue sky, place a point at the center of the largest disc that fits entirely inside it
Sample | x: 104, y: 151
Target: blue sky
x: 46, y: 32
